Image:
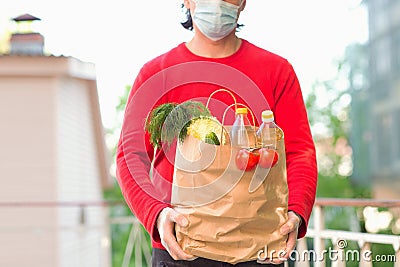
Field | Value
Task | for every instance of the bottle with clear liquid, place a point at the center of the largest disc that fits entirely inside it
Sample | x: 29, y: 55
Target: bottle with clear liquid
x: 242, y: 132
x: 268, y: 134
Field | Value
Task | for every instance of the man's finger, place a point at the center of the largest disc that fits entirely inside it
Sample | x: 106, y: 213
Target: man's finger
x: 165, y: 223
x: 175, y: 250
x: 291, y: 242
x: 288, y: 227
x: 291, y: 224
x: 290, y: 245
x: 178, y: 218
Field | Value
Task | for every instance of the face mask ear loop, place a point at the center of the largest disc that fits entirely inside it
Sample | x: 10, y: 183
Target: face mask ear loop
x: 238, y: 7
x: 241, y: 4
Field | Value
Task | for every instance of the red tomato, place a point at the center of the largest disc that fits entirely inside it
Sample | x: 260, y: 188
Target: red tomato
x: 268, y: 157
x: 246, y: 159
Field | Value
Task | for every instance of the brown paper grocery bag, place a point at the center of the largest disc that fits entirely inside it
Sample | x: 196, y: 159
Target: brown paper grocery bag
x: 234, y: 216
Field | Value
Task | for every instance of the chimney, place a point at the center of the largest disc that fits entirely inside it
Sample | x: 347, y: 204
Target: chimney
x: 25, y: 41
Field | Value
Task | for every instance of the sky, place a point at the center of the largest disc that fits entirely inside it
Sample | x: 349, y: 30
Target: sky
x: 120, y: 36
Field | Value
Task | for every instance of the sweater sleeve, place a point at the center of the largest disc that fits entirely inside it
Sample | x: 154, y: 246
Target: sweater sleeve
x: 134, y: 156
x: 291, y: 116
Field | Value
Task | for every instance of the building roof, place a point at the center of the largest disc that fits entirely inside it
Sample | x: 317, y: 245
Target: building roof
x: 25, y: 17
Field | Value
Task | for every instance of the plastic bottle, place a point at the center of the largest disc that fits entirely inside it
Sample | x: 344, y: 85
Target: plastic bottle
x: 241, y: 129
x: 268, y: 134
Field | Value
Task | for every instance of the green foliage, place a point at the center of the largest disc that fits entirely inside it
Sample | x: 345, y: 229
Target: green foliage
x: 123, y: 99
x: 120, y: 235
x: 329, y: 112
x: 119, y: 232
x: 342, y: 186
x: 328, y: 106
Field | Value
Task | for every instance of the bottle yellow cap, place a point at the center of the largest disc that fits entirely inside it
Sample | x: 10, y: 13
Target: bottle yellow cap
x: 241, y: 111
x: 267, y: 115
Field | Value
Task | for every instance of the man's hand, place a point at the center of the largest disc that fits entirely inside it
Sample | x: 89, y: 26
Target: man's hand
x: 166, y: 224
x: 290, y: 228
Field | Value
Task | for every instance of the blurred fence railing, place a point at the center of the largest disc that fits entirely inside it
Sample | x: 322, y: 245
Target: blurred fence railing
x: 136, y: 245
x: 340, y: 255
x: 316, y: 253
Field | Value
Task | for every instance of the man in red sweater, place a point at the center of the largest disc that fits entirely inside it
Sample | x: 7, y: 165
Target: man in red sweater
x: 214, y: 58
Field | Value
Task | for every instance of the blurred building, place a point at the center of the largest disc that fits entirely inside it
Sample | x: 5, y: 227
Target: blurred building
x: 376, y: 109
x: 52, y: 152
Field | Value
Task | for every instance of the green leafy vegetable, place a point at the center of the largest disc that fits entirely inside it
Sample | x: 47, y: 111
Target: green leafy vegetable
x: 170, y: 121
x: 155, y: 122
x: 212, y: 139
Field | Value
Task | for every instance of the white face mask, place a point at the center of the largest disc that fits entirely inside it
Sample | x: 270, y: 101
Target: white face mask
x: 216, y: 19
